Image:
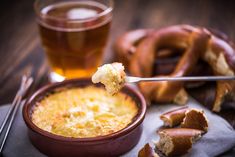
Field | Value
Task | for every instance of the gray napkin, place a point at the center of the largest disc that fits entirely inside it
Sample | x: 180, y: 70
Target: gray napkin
x: 219, y: 138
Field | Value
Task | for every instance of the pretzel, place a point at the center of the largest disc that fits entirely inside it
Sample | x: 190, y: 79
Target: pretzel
x: 141, y: 64
x: 174, y: 117
x: 177, y: 141
x: 147, y: 151
x: 195, y: 119
x: 128, y: 43
x: 187, y: 117
x: 197, y: 43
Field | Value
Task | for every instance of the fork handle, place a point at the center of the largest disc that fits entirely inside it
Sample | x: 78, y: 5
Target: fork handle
x: 131, y: 79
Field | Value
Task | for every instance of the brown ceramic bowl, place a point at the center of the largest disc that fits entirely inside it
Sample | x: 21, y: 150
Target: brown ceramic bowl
x: 110, y: 145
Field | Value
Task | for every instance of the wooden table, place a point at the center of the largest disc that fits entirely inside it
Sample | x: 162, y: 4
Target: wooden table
x: 20, y: 49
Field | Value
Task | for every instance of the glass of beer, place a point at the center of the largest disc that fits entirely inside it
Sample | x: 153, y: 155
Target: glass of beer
x: 73, y: 34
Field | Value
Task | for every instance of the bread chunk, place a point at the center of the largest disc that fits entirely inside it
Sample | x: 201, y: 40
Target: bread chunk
x: 147, y: 151
x: 174, y: 117
x: 195, y: 119
x: 177, y: 141
x: 111, y: 75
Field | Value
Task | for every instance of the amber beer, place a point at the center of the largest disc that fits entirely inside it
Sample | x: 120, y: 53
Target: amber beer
x: 74, y: 34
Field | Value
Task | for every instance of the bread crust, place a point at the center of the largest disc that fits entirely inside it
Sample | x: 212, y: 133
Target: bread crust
x: 177, y: 141
x: 139, y: 49
x: 174, y: 117
x: 147, y: 151
x: 195, y: 119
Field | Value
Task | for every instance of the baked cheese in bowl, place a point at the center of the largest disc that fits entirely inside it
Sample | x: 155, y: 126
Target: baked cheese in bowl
x: 77, y: 118
x: 84, y: 112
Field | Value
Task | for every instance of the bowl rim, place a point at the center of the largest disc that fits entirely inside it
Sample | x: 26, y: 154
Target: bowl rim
x: 45, y: 89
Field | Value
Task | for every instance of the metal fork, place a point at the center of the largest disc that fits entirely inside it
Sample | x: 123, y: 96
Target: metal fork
x: 11, y: 114
x: 131, y: 79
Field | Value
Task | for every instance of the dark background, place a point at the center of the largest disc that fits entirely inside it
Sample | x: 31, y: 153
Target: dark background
x: 20, y: 49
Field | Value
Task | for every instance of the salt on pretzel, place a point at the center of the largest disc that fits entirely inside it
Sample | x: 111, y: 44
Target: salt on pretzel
x: 197, y: 43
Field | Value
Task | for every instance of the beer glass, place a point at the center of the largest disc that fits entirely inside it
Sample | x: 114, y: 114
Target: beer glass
x: 73, y: 34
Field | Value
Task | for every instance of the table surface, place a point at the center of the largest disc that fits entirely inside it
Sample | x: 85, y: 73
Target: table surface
x: 19, y: 145
x: 20, y: 49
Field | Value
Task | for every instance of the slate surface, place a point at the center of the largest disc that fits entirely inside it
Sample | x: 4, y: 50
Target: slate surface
x: 220, y: 137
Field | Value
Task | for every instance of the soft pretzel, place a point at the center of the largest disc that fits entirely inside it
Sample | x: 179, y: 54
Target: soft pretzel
x: 197, y: 43
x: 195, y: 119
x: 221, y: 57
x: 142, y: 62
x: 187, y: 117
x: 128, y: 43
x: 147, y: 151
x: 174, y: 117
x: 177, y: 141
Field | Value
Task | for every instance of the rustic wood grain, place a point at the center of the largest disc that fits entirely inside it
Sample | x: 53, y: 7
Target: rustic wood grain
x: 20, y: 48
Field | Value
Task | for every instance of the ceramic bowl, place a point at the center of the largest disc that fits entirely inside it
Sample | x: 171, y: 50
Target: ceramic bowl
x: 109, y: 145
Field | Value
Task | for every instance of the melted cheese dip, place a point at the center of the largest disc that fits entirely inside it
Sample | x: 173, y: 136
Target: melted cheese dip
x: 84, y: 112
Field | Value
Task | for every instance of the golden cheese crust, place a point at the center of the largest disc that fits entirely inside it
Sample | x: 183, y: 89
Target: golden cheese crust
x: 84, y: 112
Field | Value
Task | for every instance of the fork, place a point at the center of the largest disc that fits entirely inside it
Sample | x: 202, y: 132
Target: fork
x: 131, y: 79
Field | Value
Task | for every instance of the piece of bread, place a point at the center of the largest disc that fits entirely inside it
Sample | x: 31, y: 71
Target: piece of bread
x: 195, y: 119
x: 112, y: 76
x: 174, y: 117
x: 177, y: 141
x: 147, y: 151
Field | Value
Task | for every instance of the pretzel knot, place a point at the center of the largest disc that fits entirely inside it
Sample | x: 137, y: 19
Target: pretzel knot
x: 139, y: 49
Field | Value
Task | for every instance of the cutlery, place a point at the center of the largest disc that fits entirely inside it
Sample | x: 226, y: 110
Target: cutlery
x: 11, y: 114
x: 131, y: 79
